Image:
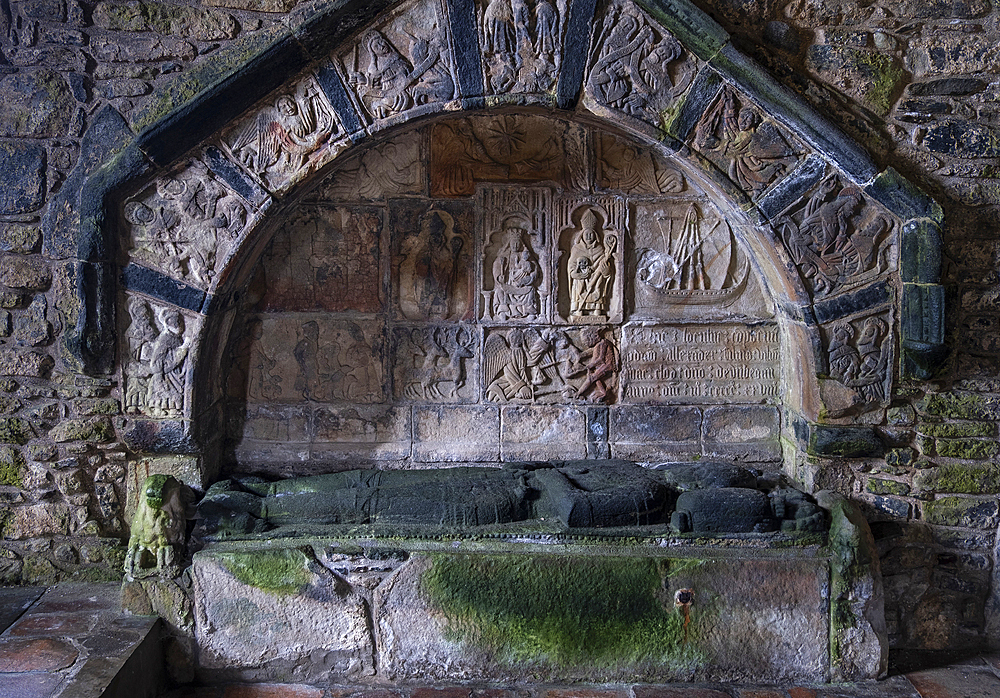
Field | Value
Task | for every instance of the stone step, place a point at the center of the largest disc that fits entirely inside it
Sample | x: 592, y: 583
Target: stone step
x: 73, y: 641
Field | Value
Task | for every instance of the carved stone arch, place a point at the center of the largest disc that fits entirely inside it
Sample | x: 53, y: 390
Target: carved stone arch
x: 227, y: 160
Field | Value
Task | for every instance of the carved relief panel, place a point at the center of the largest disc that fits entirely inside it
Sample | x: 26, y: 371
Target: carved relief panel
x: 636, y: 66
x: 436, y: 363
x: 287, y: 138
x: 326, y: 258
x: 318, y: 358
x: 859, y: 353
x: 402, y: 65
x: 550, y: 365
x: 157, y: 371
x: 742, y: 142
x: 506, y: 148
x: 627, y: 168
x: 686, y: 261
x: 186, y: 224
x: 521, y: 42
x: 836, y: 237
x: 592, y: 239
x: 385, y: 170
x: 516, y: 270
x: 433, y: 273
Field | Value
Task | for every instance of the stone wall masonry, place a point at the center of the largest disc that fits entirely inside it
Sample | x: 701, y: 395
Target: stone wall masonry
x: 917, y: 83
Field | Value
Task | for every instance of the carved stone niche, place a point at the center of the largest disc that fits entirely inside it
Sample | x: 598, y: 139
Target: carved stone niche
x: 591, y: 244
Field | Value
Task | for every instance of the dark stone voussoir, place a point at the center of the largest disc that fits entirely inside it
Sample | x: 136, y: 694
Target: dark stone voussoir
x: 91, y: 341
x: 332, y: 86
x: 96, y: 241
x: 865, y: 299
x: 696, y: 102
x: 838, y: 441
x: 324, y: 32
x: 576, y: 44
x: 700, y: 34
x: 920, y: 258
x: 793, y: 187
x: 465, y: 44
x: 903, y: 198
x: 153, y: 283
x: 171, y: 137
x: 108, y: 134
x: 234, y: 177
x: 792, y: 111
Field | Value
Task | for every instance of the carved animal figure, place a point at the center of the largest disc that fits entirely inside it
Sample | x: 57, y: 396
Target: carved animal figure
x: 156, y: 540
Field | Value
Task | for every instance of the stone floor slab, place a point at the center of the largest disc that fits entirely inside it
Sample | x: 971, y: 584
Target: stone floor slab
x: 33, y: 685
x: 14, y: 601
x: 37, y: 654
x: 961, y: 681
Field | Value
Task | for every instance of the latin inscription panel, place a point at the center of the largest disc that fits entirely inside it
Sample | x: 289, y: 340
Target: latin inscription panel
x: 723, y: 363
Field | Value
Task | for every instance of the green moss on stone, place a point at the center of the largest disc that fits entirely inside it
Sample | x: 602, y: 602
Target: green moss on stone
x: 564, y: 611
x: 284, y: 571
x: 885, y: 76
x: 959, y: 405
x: 14, y: 430
x: 969, y: 449
x: 957, y: 430
x: 960, y: 479
x: 11, y: 467
x: 962, y: 511
x: 881, y: 486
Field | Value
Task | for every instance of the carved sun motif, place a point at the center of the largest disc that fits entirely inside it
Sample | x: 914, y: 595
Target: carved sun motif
x: 505, y: 139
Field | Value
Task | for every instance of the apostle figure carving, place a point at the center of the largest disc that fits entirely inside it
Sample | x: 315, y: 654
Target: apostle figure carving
x: 166, y: 368
x: 591, y: 268
x: 390, y: 83
x: 516, y: 273
x: 860, y: 362
x: 753, y: 151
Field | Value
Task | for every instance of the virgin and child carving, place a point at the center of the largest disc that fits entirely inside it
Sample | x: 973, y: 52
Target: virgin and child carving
x: 515, y: 272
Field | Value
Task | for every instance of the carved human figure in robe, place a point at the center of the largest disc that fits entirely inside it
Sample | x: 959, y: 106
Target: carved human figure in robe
x: 435, y: 270
x: 591, y: 267
x: 391, y: 84
x: 515, y: 274
x: 546, y: 28
x: 142, y: 333
x: 824, y: 237
x: 165, y: 393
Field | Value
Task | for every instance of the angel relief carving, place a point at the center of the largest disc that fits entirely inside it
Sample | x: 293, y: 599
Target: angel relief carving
x: 751, y: 149
x: 156, y: 374
x: 187, y: 225
x: 432, y: 363
x: 860, y: 355
x: 531, y: 365
x: 836, y: 235
x: 285, y: 137
x: 637, y: 69
x: 388, y: 83
x: 521, y: 44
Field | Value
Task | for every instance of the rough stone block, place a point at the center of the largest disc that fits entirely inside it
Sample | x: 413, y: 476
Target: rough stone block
x: 542, y: 432
x: 36, y: 104
x: 968, y: 512
x: 465, y: 433
x: 368, y: 433
x: 655, y: 433
x: 37, y: 520
x: 25, y: 273
x: 739, y: 424
x: 22, y: 177
x: 89, y: 429
x: 501, y: 617
x: 269, y: 613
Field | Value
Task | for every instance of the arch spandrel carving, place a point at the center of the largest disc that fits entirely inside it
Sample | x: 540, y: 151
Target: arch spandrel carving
x: 815, y: 244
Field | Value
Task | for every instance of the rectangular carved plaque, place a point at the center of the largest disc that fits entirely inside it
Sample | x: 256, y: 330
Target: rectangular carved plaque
x: 731, y: 363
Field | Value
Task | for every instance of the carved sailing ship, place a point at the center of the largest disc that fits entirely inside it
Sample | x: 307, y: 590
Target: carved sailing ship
x: 686, y: 272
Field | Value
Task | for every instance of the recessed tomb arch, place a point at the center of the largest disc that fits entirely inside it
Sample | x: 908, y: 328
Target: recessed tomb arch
x: 612, y: 175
